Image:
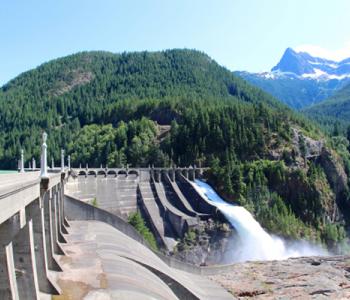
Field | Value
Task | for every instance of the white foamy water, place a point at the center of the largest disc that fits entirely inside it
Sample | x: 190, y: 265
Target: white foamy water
x: 254, y: 242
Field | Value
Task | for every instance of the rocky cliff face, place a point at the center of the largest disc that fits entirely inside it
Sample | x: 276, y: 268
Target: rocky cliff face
x: 338, y: 180
x: 328, y: 189
x: 334, y: 170
x: 299, y: 149
x: 206, y: 245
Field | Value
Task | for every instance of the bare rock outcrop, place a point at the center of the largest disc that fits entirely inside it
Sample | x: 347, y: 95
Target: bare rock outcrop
x: 298, y: 278
x: 208, y: 244
x: 300, y: 147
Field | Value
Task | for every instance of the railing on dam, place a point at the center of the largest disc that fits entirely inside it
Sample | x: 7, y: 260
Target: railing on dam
x: 31, y: 226
x: 31, y: 230
x: 142, y: 173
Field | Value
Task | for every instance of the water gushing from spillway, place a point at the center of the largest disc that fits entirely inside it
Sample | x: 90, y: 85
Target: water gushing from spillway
x: 254, y: 242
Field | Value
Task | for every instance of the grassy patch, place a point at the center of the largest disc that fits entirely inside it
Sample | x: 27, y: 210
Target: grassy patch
x: 136, y: 220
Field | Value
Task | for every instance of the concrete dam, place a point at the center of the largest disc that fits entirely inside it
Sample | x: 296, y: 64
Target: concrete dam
x: 173, y: 202
x: 57, y: 246
x: 164, y: 196
x: 64, y: 233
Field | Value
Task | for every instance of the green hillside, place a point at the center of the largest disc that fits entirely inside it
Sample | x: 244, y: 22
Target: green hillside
x: 110, y: 108
x: 335, y: 110
x: 94, y: 87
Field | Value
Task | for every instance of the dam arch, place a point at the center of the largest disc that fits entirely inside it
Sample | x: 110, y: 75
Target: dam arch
x: 101, y: 173
x: 82, y: 173
x: 91, y: 172
x: 111, y: 173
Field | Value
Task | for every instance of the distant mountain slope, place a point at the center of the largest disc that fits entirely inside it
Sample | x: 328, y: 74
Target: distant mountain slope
x: 294, y: 91
x: 141, y: 75
x: 301, y: 80
x: 334, y: 110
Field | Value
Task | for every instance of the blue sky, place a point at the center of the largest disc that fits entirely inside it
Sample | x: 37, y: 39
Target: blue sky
x: 239, y: 34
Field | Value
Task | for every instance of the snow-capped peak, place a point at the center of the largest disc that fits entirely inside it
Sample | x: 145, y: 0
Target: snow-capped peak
x: 304, y: 65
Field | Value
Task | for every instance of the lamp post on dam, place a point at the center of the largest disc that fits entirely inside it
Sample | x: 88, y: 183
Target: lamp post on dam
x: 43, y: 167
x: 62, y: 160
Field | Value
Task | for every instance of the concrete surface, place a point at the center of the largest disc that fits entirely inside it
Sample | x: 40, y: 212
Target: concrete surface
x: 114, y: 194
x: 103, y: 263
x: 177, y: 198
x: 26, y: 228
x: 174, y: 216
x: 156, y: 216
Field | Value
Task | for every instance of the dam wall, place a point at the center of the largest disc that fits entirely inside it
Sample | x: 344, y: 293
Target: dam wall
x: 115, y: 194
x: 153, y: 191
x: 49, y: 238
x: 78, y: 210
x: 31, y: 230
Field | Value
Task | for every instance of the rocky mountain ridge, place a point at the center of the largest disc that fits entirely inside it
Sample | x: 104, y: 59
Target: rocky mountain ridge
x: 301, y: 80
x: 305, y: 65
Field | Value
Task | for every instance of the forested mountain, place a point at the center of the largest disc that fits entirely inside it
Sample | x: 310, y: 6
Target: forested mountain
x: 109, y: 108
x: 333, y: 113
x: 94, y: 87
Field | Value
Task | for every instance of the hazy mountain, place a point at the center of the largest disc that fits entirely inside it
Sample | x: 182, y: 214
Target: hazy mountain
x: 304, y: 65
x: 301, y: 80
x: 334, y: 110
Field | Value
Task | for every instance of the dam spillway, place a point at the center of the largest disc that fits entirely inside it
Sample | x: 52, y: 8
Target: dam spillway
x: 254, y: 242
x: 172, y: 205
x: 156, y: 193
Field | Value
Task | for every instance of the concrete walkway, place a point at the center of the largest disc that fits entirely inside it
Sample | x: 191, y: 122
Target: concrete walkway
x: 103, y: 263
x: 17, y: 180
